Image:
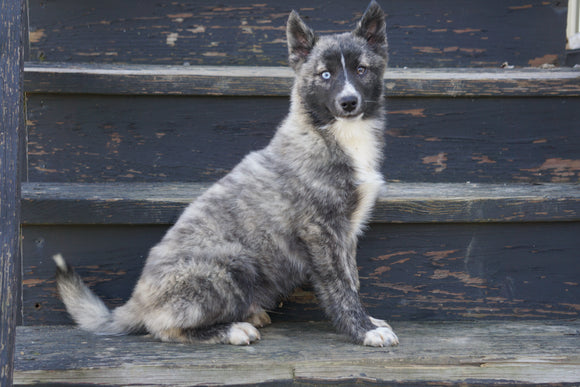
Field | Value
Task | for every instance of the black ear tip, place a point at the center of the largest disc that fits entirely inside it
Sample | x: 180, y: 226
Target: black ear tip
x: 374, y: 9
x: 294, y: 17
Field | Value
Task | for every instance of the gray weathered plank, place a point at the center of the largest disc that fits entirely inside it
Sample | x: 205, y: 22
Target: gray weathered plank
x: 11, y: 133
x: 161, y: 203
x: 450, y: 352
x: 276, y: 81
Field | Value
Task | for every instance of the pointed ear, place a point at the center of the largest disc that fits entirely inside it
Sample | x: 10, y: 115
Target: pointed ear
x: 301, y: 40
x: 373, y: 28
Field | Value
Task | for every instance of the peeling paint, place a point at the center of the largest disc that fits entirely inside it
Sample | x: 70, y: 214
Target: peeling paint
x: 546, y: 59
x: 197, y: 30
x: 463, y: 277
x: 439, y: 160
x: 389, y: 256
x: 520, y: 7
x: 562, y: 170
x: 36, y: 36
x: 412, y: 112
x: 482, y: 159
x: 437, y: 255
x: 466, y: 30
x: 171, y: 39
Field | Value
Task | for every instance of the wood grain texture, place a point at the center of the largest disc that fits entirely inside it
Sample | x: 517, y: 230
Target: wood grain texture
x: 451, y: 353
x: 90, y: 138
x: 276, y: 81
x: 11, y: 134
x: 421, y: 33
x: 162, y: 203
x: 408, y: 271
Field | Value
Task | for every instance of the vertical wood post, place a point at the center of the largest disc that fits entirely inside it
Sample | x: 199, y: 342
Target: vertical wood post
x: 11, y: 129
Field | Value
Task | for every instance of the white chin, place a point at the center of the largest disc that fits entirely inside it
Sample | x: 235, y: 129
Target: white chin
x: 350, y: 118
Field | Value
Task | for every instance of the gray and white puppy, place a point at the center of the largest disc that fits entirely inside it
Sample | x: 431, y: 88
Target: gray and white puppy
x: 288, y: 213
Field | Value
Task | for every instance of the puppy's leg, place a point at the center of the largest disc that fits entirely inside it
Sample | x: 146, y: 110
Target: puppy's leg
x: 335, y: 279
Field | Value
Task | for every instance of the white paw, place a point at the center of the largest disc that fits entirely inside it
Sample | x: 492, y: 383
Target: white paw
x: 380, y: 323
x: 242, y: 334
x: 381, y: 337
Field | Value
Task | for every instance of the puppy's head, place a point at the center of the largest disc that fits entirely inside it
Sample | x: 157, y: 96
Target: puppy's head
x: 340, y: 76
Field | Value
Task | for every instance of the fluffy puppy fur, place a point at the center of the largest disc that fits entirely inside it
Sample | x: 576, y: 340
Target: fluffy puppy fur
x: 285, y: 214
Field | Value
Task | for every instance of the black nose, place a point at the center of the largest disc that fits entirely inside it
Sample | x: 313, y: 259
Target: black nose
x: 348, y: 103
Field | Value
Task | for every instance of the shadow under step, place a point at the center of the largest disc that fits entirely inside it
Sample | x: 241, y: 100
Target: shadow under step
x: 443, y: 353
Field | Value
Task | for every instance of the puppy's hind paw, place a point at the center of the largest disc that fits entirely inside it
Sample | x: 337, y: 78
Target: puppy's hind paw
x: 242, y: 334
x: 380, y: 337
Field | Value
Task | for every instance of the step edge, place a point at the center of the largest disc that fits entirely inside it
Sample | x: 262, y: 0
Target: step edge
x: 411, y: 203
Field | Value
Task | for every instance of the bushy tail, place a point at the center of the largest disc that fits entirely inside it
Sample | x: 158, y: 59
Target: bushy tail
x: 86, y: 309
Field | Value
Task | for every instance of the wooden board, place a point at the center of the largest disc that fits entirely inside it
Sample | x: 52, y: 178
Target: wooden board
x: 162, y: 203
x: 451, y: 353
x: 79, y: 78
x: 421, y: 33
x: 89, y: 138
x: 413, y: 271
x: 11, y: 145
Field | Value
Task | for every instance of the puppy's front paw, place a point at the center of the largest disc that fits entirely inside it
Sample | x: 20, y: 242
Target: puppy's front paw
x: 242, y: 334
x: 380, y: 337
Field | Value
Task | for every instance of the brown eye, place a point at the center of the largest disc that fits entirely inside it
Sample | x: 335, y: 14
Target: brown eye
x: 361, y: 70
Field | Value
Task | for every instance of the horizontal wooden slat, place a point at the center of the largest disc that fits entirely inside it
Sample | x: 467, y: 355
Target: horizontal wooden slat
x: 104, y: 138
x: 276, y: 81
x: 483, y: 353
x: 160, y: 203
x: 422, y: 33
x: 433, y: 271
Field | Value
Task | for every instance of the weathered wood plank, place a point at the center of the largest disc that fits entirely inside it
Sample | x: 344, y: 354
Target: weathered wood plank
x: 276, y: 81
x: 161, y: 203
x: 474, y: 353
x: 421, y: 33
x: 11, y: 134
x: 199, y: 139
x: 408, y: 271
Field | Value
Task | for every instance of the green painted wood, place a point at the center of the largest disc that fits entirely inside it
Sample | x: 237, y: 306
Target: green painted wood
x: 82, y: 78
x: 450, y: 353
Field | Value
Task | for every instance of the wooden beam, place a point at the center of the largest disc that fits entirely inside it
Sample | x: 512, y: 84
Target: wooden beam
x: 277, y: 81
x: 441, y: 353
x: 12, y: 125
x: 161, y: 203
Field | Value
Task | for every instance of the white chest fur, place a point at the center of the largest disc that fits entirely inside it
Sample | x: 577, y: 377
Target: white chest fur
x: 357, y: 139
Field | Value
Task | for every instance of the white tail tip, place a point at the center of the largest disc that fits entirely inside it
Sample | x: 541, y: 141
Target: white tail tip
x: 60, y: 262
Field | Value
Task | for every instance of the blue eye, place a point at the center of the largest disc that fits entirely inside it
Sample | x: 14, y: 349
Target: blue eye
x: 326, y: 75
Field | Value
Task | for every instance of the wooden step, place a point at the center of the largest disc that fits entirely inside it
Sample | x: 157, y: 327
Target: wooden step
x: 432, y: 251
x: 421, y: 33
x: 121, y: 79
x: 130, y: 123
x: 161, y: 203
x: 446, y: 353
